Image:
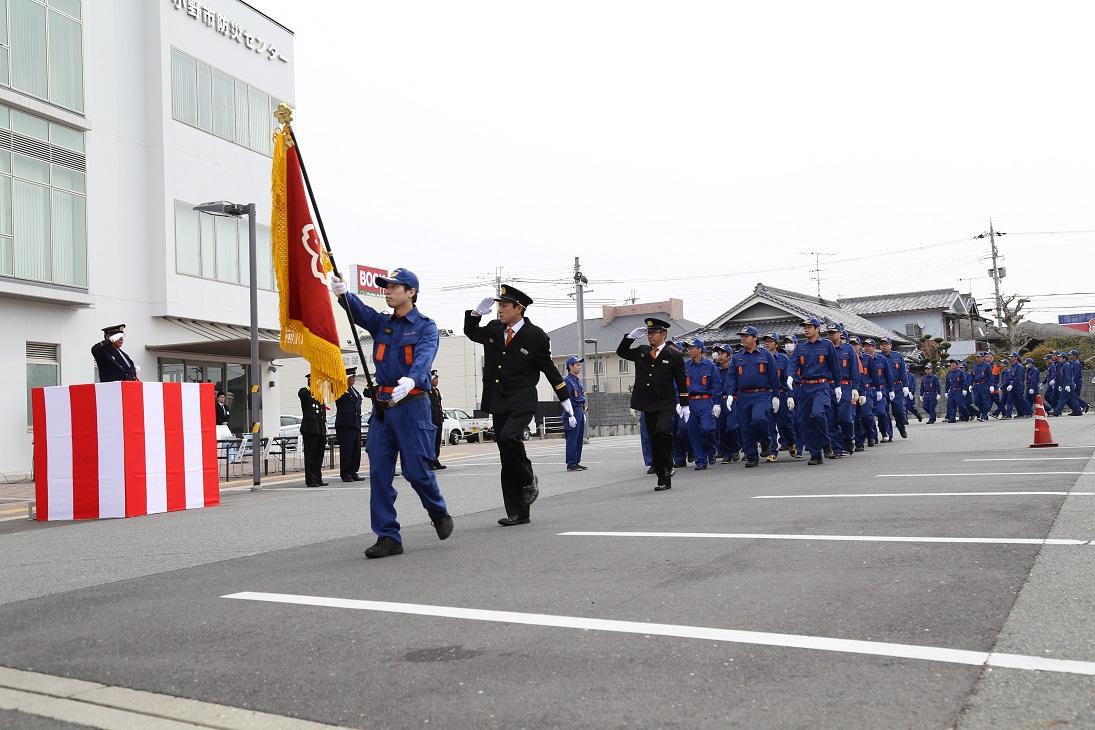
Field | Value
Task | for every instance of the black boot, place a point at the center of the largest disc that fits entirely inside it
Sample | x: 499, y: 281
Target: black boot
x: 384, y: 547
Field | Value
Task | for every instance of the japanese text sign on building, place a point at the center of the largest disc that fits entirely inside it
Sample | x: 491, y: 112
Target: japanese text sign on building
x: 228, y: 28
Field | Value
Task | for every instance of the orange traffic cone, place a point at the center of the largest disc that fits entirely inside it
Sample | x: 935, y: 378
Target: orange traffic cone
x: 1042, y: 436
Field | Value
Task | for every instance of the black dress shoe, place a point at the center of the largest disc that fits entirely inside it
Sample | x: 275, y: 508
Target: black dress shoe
x: 531, y: 491
x: 347, y: 479
x: 814, y: 461
x: 311, y: 486
x: 443, y: 525
x: 751, y: 463
x: 322, y: 484
x: 384, y: 547
x: 512, y: 520
x: 665, y: 484
x: 651, y: 470
x: 439, y: 465
x: 358, y: 478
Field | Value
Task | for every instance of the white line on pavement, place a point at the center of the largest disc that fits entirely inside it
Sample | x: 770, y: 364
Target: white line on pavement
x: 990, y: 474
x: 1037, y: 458
x: 922, y: 494
x: 763, y: 638
x: 852, y: 538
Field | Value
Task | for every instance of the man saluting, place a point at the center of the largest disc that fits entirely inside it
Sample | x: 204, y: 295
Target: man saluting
x: 111, y: 359
x: 660, y: 391
x: 515, y: 352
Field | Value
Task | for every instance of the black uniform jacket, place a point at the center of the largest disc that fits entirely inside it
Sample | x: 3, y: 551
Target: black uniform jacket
x: 313, y: 414
x: 113, y: 363
x: 510, y: 374
x: 348, y: 410
x: 659, y: 383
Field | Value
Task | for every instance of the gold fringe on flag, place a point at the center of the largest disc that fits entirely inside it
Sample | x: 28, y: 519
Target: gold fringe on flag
x: 328, y: 377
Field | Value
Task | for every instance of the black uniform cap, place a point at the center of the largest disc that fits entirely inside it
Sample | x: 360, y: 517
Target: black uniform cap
x: 511, y: 294
x: 351, y: 371
x: 113, y: 330
x: 653, y: 323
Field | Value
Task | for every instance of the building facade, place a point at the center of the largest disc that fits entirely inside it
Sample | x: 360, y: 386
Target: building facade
x: 945, y: 313
x: 116, y: 118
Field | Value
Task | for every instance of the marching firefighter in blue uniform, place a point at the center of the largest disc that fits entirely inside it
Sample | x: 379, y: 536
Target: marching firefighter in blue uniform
x: 910, y: 400
x: 783, y: 425
x: 703, y: 381
x: 400, y: 427
x: 929, y: 391
x: 866, y: 431
x: 984, y: 383
x: 1031, y: 376
x: 752, y: 391
x: 879, y: 382
x: 1051, y: 382
x: 842, y: 428
x: 814, y: 368
x: 957, y: 392
x: 900, y: 390
x: 574, y: 426
x: 728, y: 441
x: 682, y: 442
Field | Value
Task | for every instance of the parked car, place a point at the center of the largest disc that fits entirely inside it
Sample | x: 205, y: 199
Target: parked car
x: 364, y: 426
x: 488, y: 433
x: 459, y: 424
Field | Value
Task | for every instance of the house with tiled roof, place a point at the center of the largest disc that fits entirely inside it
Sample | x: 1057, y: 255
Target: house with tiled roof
x: 945, y: 313
x: 781, y: 311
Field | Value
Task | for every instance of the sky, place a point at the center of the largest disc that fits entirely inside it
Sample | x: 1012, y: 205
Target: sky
x: 693, y: 149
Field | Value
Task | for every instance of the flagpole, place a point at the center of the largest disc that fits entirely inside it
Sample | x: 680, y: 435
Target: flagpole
x: 284, y: 115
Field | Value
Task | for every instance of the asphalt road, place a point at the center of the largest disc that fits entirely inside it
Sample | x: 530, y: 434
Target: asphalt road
x: 770, y: 601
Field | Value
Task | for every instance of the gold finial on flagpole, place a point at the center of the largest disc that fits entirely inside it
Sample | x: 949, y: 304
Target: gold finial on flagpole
x: 284, y: 113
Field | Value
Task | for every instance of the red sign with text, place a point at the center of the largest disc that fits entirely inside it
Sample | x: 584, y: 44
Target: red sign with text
x: 366, y: 280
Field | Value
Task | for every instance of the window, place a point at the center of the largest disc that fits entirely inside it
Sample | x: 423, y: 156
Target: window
x: 43, y: 209
x: 216, y: 247
x: 211, y: 100
x: 43, y: 369
x: 42, y: 55
x: 912, y: 330
x: 598, y: 366
x: 624, y: 366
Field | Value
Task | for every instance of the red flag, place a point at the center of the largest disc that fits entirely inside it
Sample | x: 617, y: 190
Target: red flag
x: 301, y: 263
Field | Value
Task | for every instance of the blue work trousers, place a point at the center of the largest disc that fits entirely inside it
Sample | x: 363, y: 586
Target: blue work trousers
x: 754, y: 415
x: 575, y: 435
x: 701, y: 429
x: 406, y: 433
x: 815, y: 408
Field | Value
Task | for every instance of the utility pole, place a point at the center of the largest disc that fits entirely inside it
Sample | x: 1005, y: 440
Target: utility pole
x: 498, y: 281
x: 816, y: 271
x: 996, y: 273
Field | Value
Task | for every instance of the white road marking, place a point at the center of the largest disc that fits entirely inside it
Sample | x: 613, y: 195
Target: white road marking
x: 763, y: 638
x: 851, y: 538
x: 922, y: 494
x: 1036, y: 458
x: 991, y: 474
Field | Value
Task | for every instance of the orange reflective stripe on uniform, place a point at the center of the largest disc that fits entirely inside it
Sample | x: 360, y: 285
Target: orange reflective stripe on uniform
x: 381, y: 348
x: 408, y: 354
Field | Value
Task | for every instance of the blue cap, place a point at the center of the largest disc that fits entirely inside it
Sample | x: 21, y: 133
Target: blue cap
x: 1075, y: 352
x: 398, y: 276
x: 574, y: 359
x: 854, y: 339
x: 832, y: 327
x: 720, y: 348
x: 887, y: 340
x: 770, y: 336
x: 812, y: 321
x: 749, y: 330
x: 928, y: 366
x: 869, y: 341
x: 697, y: 342
x: 1029, y: 360
x: 1014, y: 354
x: 791, y: 338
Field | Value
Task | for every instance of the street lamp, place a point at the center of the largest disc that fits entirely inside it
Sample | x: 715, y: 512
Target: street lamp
x: 237, y: 210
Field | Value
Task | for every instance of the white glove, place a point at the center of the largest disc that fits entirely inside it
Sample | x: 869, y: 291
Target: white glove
x: 878, y: 395
x: 905, y: 391
x: 685, y: 414
x: 116, y: 336
x: 681, y: 410
x: 947, y: 394
x: 790, y: 382
x: 775, y: 405
x: 1030, y: 391
x: 855, y: 395
x: 402, y: 388
x: 790, y: 403
x: 729, y: 403
x: 338, y: 286
x: 716, y: 411
x: 484, y: 307
x: 636, y: 333
x: 1068, y: 388
x: 1009, y: 388
x: 838, y: 393
x: 862, y: 400
x: 1054, y: 382
x: 892, y: 395
x: 965, y: 392
x: 568, y: 407
x: 573, y: 422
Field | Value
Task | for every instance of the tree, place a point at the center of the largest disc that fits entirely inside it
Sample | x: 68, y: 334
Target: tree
x: 1011, y: 308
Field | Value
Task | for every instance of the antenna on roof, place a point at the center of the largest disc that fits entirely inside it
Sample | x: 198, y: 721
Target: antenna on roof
x: 817, y: 270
